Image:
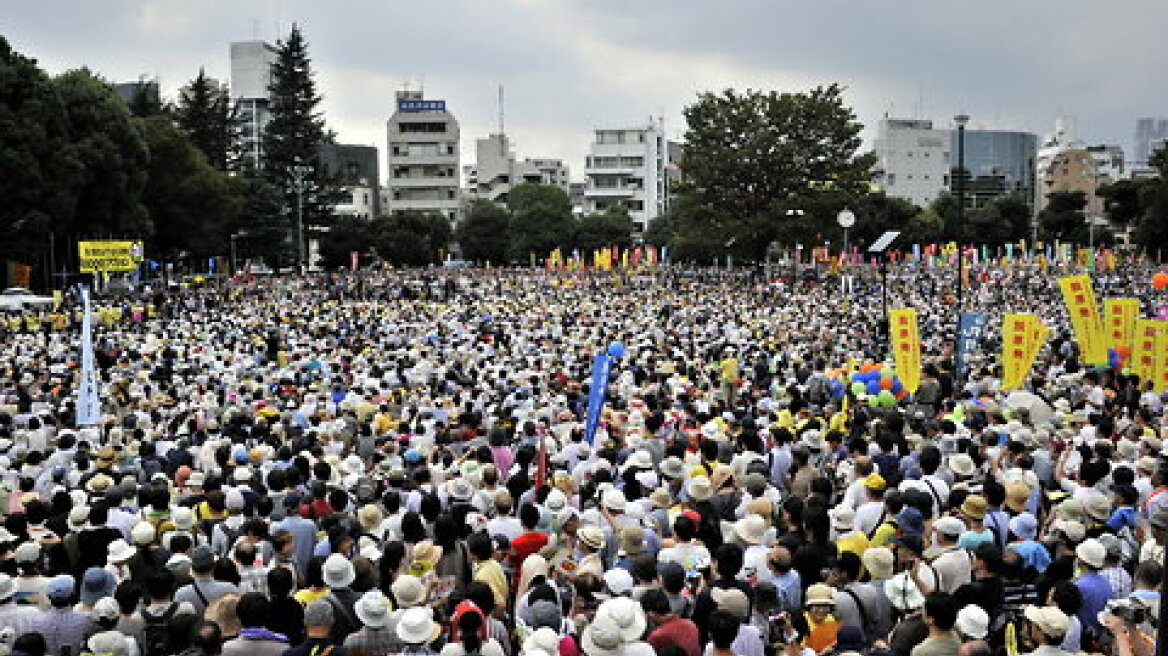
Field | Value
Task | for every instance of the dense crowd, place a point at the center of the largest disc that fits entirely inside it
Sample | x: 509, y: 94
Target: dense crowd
x: 395, y: 463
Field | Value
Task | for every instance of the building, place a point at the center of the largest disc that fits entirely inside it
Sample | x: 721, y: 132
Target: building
x: 355, y: 168
x: 629, y: 167
x: 1074, y: 171
x: 131, y: 91
x: 912, y: 159
x: 1109, y: 161
x: 1151, y: 135
x: 423, y: 157
x: 251, y: 75
x: 998, y: 162
x: 496, y: 170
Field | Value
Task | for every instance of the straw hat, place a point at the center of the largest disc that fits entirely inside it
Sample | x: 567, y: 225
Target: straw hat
x: 661, y: 498
x: 699, y: 488
x: 751, y: 529
x: 819, y: 594
x: 722, y: 475
x: 632, y: 540
x: 974, y: 506
x: 878, y: 561
x: 1017, y: 496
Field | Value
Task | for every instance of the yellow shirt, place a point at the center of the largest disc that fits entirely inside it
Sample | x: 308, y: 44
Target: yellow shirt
x: 491, y: 573
x: 308, y: 595
x: 730, y: 370
x: 883, y: 535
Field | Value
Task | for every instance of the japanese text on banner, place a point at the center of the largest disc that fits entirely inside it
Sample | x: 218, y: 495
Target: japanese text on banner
x: 1083, y: 312
x: 906, y: 347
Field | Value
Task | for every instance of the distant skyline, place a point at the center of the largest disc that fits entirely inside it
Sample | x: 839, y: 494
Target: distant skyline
x: 570, y: 66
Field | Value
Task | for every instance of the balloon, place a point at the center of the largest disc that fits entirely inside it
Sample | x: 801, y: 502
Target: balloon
x: 872, y: 377
x: 1160, y: 280
x: 857, y: 377
x: 1124, y: 351
x: 859, y: 388
x: 616, y: 349
x: 897, y: 387
x: 901, y: 394
x: 887, y: 373
x: 886, y: 383
x: 837, y: 389
x: 874, y: 387
x: 886, y: 399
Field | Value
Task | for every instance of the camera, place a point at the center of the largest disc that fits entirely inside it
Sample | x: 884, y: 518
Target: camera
x: 1131, y: 612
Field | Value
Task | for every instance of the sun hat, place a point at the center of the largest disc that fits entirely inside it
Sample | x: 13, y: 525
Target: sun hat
x: 973, y: 622
x: 119, y: 551
x: 99, y: 483
x: 661, y: 498
x: 460, y: 490
x: 879, y: 562
x: 1092, y: 552
x: 1074, y: 531
x: 1017, y: 495
x: 672, y: 468
x: 60, y: 587
x: 974, y: 506
x: 640, y: 459
x: 1071, y: 509
x: 408, y: 590
x: 591, y: 536
x: 819, y: 594
x: 28, y: 552
x: 721, y: 475
x: 338, y: 571
x: 843, y: 518
x: 372, y: 609
x: 632, y: 541
x: 416, y: 626
x: 369, y: 517
x: 733, y: 601
x: 614, y: 500
x: 1097, y: 506
x: 183, y: 518
x: 950, y: 526
x: 143, y: 533
x: 962, y: 464
x: 97, y: 583
x: 1025, y: 526
x: 902, y: 593
x: 318, y: 612
x: 699, y: 489
x: 910, y: 521
x: 627, y: 615
x: 533, y: 567
x: 618, y: 581
x: 112, y: 643
x: 426, y: 552
x: 78, y: 516
x: 751, y: 529
x: 760, y: 506
x: 543, y: 639
x: 602, y: 637
x: 234, y: 499
x: 106, y: 608
x: 1049, y: 619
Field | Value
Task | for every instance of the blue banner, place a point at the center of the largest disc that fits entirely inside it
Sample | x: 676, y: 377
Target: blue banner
x: 601, y: 367
x: 88, y: 404
x: 970, y: 327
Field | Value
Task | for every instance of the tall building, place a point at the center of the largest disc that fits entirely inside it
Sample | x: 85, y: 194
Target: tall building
x: 251, y: 75
x: 912, y: 159
x: 1109, y: 161
x: 1151, y: 135
x: 998, y: 162
x: 355, y: 168
x: 633, y: 167
x: 423, y: 157
x: 130, y: 91
x: 496, y: 170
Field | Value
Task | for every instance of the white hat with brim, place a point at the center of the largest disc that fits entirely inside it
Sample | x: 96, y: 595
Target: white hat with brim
x: 973, y: 622
x: 751, y: 529
x: 338, y: 572
x: 119, y: 551
x: 416, y: 626
x: 372, y: 609
x: 602, y: 637
x: 627, y: 615
x: 408, y: 590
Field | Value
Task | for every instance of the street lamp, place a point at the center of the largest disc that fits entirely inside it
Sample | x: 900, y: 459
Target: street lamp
x: 960, y: 120
x: 299, y: 173
x: 846, y: 219
x: 791, y: 214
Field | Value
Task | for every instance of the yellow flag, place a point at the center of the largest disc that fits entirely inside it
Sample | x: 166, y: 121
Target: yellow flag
x: 1120, y: 314
x: 1143, y: 354
x: 1017, y: 335
x: 1083, y: 312
x: 906, y: 347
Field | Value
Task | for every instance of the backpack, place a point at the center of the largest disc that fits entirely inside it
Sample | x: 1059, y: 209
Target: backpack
x: 156, y: 631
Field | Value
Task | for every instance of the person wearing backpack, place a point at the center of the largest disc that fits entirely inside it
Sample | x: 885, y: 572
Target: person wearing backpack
x: 203, y: 588
x: 254, y: 638
x: 158, y: 612
x: 856, y: 604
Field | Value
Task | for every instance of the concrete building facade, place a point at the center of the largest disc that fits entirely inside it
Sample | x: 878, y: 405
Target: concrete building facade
x: 251, y: 75
x: 423, y: 157
x: 496, y: 170
x: 355, y: 167
x: 633, y: 167
x: 912, y: 159
x: 1151, y: 135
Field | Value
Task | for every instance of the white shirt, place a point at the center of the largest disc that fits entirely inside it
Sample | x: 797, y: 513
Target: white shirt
x: 868, y: 517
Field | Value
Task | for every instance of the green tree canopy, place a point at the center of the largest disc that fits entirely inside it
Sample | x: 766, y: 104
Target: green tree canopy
x: 1006, y: 219
x: 541, y: 220
x: 613, y: 227
x: 484, y: 232
x: 204, y: 114
x: 1063, y: 217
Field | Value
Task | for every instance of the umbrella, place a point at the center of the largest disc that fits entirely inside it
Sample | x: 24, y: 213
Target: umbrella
x: 1040, y: 410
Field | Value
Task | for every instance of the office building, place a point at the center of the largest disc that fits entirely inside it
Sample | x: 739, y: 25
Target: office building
x: 496, y: 170
x: 912, y: 160
x: 355, y: 168
x: 1151, y: 135
x: 131, y: 91
x: 423, y: 157
x: 251, y: 75
x: 633, y: 167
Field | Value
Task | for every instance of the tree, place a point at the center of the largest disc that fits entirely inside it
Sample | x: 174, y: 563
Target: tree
x: 698, y: 229
x: 204, y: 114
x: 1152, y: 227
x: 295, y: 134
x: 145, y: 101
x: 345, y: 235
x: 660, y: 230
x: 412, y: 237
x: 613, y: 227
x: 265, y: 232
x: 1063, y: 217
x: 757, y: 155
x: 541, y: 220
x: 484, y: 232
x: 1006, y: 219
x: 190, y: 204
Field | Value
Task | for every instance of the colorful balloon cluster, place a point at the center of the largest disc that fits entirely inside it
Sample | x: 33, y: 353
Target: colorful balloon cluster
x: 1116, y: 357
x: 879, y: 383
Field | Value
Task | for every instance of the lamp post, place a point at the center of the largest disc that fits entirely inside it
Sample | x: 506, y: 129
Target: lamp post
x: 791, y: 215
x: 299, y: 173
x: 960, y: 120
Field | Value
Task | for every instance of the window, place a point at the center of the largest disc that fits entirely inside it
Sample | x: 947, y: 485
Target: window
x: 423, y: 127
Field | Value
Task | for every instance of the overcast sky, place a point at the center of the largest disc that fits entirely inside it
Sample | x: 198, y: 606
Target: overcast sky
x: 569, y: 66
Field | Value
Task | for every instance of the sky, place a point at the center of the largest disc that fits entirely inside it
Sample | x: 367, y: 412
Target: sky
x: 571, y: 66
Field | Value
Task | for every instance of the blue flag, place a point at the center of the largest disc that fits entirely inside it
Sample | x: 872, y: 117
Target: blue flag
x: 88, y: 404
x: 601, y: 367
x: 970, y: 327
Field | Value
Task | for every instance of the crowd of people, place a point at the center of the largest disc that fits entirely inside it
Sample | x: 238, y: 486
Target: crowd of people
x: 396, y: 463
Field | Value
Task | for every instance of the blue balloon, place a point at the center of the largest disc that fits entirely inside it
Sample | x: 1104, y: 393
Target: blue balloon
x: 897, y: 387
x: 874, y: 386
x: 616, y: 349
x: 857, y: 377
x: 872, y: 376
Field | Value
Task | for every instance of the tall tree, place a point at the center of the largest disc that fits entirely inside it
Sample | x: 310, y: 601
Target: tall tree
x: 146, y: 100
x: 1005, y: 219
x: 484, y: 233
x: 1063, y: 217
x: 613, y: 227
x: 541, y: 220
x: 204, y: 114
x: 294, y: 137
x: 756, y: 155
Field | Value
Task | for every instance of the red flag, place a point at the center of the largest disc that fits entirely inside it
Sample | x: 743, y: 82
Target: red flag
x: 541, y: 463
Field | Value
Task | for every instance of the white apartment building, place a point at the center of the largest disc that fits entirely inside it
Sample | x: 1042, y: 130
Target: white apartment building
x: 628, y: 166
x: 496, y: 170
x: 251, y: 74
x: 423, y: 157
x: 912, y: 159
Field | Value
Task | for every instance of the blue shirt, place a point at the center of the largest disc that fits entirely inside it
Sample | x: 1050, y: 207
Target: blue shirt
x: 1096, y: 592
x: 1123, y: 516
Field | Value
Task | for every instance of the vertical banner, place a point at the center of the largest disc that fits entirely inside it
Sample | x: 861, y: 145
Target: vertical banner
x: 354, y: 260
x: 1120, y: 314
x: 601, y: 367
x: 88, y: 404
x: 1160, y: 377
x: 970, y: 327
x: 1038, y: 336
x: 1083, y: 313
x: 1017, y: 334
x: 1143, y: 349
x: 906, y: 347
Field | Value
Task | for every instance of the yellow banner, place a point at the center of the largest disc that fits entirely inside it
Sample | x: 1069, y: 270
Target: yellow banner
x: 1120, y: 315
x: 1083, y: 313
x: 1017, y: 338
x: 105, y: 256
x: 1143, y: 348
x: 906, y: 347
x: 1160, y: 379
